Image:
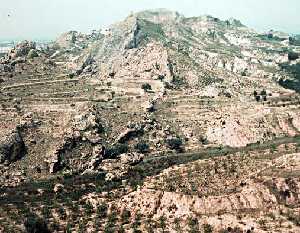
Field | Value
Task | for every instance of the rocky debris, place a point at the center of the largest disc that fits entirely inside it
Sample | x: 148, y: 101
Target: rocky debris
x: 87, y: 126
x: 5, y: 68
x: 97, y: 157
x: 12, y: 148
x: 87, y: 66
x: 131, y: 158
x: 134, y: 131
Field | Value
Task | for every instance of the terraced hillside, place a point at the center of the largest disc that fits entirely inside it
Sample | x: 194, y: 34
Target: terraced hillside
x: 160, y: 123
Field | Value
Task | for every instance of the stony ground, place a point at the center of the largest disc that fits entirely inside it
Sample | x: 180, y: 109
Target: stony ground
x: 159, y: 124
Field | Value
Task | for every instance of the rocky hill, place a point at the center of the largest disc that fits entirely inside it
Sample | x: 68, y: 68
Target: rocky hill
x: 160, y: 123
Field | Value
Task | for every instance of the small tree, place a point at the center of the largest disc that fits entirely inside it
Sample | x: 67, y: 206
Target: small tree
x: 121, y: 229
x: 263, y: 92
x: 146, y: 87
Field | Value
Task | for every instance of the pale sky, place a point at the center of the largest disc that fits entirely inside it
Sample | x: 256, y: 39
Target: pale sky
x: 46, y: 19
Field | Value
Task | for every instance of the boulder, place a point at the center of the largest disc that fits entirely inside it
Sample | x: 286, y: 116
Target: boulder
x: 131, y: 158
x: 12, y: 148
x: 149, y: 106
x: 128, y: 134
x: 58, y: 188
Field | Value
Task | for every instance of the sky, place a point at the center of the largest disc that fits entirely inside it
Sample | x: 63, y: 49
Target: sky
x: 46, y: 19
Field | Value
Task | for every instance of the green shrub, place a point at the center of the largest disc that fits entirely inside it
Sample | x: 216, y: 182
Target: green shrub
x: 207, y: 228
x: 89, y: 209
x: 162, y: 223
x: 102, y: 210
x: 115, y: 150
x: 125, y: 216
x: 175, y: 143
x: 146, y: 87
x: 263, y: 92
x: 193, y: 225
x: 34, y: 224
x: 142, y: 147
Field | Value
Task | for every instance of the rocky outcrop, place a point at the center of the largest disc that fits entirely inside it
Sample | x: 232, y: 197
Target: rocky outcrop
x: 22, y: 49
x: 67, y: 39
x: 87, y: 126
x: 131, y: 158
x: 133, y: 40
x: 12, y: 148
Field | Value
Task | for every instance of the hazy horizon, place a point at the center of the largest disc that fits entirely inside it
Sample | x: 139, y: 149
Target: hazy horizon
x: 41, y: 19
